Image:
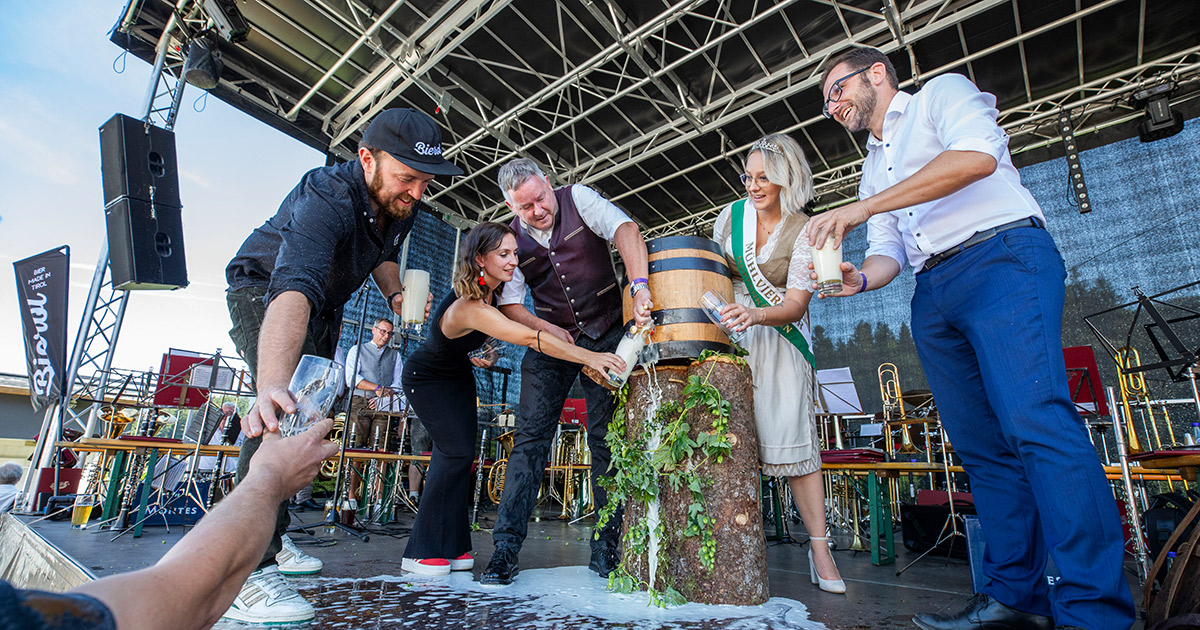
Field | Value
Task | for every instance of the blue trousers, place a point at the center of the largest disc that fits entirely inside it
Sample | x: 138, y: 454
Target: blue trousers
x: 988, y: 329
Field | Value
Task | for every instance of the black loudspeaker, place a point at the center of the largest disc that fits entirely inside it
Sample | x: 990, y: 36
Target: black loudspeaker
x: 138, y: 161
x: 145, y: 245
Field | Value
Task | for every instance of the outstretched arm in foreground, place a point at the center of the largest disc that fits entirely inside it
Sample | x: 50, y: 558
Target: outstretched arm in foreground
x: 194, y: 584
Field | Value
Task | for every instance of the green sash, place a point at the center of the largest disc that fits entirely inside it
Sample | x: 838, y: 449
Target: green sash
x: 760, y: 290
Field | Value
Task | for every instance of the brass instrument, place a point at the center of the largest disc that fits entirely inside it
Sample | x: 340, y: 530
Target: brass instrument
x: 1133, y: 388
x: 852, y: 498
x: 893, y: 408
x: 329, y: 467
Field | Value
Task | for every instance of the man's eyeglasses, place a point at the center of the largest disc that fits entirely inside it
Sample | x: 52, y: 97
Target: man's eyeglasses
x: 761, y: 179
x: 835, y: 91
x: 384, y: 331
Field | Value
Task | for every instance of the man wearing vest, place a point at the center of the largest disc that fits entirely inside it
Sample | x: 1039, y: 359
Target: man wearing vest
x: 373, y: 371
x: 563, y: 238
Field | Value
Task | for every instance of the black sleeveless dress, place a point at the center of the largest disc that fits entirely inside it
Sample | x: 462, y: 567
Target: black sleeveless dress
x: 439, y: 382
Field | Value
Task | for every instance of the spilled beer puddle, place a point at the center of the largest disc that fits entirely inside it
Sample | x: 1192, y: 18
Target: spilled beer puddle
x: 549, y: 599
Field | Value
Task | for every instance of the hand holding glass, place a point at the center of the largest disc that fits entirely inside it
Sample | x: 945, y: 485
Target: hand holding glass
x: 711, y: 303
x: 827, y: 263
x: 314, y: 386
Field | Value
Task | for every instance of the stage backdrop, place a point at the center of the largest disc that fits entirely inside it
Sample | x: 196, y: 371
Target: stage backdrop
x: 1142, y: 232
x: 42, y: 296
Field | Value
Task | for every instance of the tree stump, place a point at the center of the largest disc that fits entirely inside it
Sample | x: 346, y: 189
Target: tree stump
x: 731, y: 490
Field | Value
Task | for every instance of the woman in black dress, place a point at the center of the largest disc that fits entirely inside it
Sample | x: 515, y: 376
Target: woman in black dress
x: 440, y: 386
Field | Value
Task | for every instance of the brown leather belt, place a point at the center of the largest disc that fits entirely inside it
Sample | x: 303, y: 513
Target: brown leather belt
x: 976, y: 239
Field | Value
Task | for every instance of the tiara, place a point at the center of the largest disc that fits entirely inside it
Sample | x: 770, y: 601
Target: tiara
x: 766, y: 146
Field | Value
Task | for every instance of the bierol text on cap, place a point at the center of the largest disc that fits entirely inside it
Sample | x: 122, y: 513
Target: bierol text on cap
x: 411, y: 137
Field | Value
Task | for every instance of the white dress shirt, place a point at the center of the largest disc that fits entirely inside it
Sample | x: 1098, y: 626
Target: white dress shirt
x: 948, y: 114
x: 598, y: 213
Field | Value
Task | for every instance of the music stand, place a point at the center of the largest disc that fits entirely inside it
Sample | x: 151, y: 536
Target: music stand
x: 1179, y: 368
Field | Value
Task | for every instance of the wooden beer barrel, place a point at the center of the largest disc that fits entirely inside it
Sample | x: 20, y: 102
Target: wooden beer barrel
x: 739, y: 574
x: 683, y: 268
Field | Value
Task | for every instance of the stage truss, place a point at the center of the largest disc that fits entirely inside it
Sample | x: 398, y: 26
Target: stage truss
x: 654, y: 103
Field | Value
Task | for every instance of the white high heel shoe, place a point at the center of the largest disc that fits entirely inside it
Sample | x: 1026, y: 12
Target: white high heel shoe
x: 829, y: 586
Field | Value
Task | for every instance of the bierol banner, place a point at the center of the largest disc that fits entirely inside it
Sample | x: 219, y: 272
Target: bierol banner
x: 42, y: 297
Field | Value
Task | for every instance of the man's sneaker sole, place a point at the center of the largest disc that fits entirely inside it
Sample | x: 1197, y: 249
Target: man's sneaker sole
x: 274, y: 621
x: 412, y: 565
x: 462, y: 564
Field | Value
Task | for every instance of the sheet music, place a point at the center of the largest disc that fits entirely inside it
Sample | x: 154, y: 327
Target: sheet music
x: 836, y: 393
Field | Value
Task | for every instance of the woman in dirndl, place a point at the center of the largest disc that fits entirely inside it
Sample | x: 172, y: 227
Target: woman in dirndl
x: 763, y: 236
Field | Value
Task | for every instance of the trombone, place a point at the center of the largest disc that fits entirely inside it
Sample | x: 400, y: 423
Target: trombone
x: 893, y: 409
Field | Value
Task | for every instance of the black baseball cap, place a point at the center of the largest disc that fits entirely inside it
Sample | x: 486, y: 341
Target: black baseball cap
x: 411, y: 137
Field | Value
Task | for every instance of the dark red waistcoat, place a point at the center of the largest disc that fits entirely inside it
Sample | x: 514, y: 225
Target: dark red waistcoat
x: 572, y: 281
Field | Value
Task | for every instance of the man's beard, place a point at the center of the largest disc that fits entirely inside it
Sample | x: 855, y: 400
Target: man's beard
x: 395, y: 206
x: 864, y: 107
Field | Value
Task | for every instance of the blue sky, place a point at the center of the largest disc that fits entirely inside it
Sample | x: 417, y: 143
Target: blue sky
x: 61, y: 81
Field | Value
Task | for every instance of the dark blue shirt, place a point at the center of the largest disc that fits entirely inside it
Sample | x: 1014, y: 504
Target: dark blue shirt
x: 323, y: 241
x: 39, y: 610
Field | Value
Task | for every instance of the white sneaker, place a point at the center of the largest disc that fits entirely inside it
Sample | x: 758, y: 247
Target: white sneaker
x: 267, y: 598
x: 292, y: 561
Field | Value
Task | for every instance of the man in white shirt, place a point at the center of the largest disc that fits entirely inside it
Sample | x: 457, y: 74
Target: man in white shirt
x: 373, y: 370
x: 939, y: 192
x: 10, y: 475
x: 563, y: 237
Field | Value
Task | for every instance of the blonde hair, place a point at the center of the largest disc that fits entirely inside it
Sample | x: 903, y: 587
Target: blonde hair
x: 482, y: 239
x: 786, y: 166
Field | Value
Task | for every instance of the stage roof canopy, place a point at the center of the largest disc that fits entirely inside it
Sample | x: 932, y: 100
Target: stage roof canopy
x: 655, y: 103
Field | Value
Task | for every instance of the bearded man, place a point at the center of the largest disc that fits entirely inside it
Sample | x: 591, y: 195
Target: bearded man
x: 289, y: 282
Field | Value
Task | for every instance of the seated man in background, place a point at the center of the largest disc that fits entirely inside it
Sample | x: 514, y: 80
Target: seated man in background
x: 10, y: 476
x: 197, y: 580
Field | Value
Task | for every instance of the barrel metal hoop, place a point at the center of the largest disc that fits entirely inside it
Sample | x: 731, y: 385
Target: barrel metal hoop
x: 689, y: 349
x: 668, y: 316
x: 683, y: 241
x: 696, y: 264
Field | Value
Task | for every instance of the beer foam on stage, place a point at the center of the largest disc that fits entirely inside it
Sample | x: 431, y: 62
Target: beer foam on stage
x: 549, y: 599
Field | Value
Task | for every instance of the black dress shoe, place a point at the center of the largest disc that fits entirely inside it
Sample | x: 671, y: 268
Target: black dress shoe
x: 502, y: 568
x: 604, y: 559
x: 984, y: 613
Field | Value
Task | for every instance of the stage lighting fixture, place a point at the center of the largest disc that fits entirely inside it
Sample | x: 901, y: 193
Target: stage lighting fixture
x: 1160, y: 122
x: 1074, y: 168
x: 203, y: 65
x: 227, y: 18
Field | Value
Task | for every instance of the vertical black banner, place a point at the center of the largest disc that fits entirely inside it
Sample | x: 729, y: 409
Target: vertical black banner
x: 42, y: 298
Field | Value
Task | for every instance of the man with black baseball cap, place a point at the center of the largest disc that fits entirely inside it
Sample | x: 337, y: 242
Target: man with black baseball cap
x: 287, y: 286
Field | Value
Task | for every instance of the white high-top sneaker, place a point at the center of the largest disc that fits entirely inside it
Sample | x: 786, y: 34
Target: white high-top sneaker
x: 266, y: 597
x: 292, y: 561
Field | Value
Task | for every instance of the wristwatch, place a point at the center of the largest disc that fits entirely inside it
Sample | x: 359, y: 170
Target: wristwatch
x: 637, y: 285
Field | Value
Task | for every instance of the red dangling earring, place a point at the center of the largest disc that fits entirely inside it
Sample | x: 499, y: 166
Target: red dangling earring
x: 482, y: 282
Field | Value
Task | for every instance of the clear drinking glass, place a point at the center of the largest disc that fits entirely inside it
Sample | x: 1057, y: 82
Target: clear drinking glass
x: 490, y: 351
x: 712, y: 303
x: 314, y: 386
x: 81, y: 511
